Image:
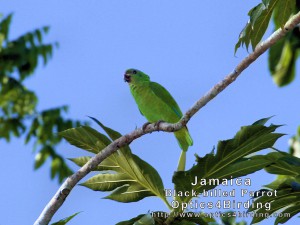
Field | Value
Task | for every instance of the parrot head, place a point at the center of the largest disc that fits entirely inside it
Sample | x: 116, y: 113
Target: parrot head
x: 133, y: 76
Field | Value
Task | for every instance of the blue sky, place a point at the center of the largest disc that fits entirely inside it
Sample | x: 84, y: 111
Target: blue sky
x: 187, y: 46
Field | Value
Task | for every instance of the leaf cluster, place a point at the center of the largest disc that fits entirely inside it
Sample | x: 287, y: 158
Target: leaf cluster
x: 19, y: 59
x: 287, y: 186
x: 130, y: 179
x: 232, y: 159
x: 282, y: 65
x: 128, y: 176
x: 259, y: 20
x: 284, y: 53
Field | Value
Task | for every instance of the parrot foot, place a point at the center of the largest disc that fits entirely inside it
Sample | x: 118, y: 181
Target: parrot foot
x: 157, y: 123
x: 145, y: 126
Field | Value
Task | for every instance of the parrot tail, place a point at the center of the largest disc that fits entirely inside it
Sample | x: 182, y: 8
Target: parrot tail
x: 184, y: 139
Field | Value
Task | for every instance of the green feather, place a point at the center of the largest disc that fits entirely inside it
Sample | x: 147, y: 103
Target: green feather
x: 164, y: 95
x: 184, y: 139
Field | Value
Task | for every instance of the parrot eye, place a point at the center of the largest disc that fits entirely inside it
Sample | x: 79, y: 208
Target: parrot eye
x: 134, y: 71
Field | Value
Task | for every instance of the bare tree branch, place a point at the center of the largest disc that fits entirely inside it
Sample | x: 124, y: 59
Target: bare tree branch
x: 60, y: 196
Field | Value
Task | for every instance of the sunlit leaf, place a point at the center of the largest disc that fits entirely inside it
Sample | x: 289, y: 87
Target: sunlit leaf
x: 128, y: 177
x: 86, y: 138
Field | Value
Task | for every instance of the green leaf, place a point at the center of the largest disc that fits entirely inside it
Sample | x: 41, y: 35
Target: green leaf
x: 128, y: 176
x: 160, y: 217
x: 32, y: 130
x: 107, y: 164
x: 86, y: 138
x: 263, y: 213
x: 283, y: 10
x: 281, y: 193
x: 283, y: 164
x: 130, y: 193
x: 231, y: 160
x: 284, y: 53
x: 261, y: 22
x: 42, y: 156
x: 4, y: 26
x: 262, y: 121
x: 257, y: 25
x: 194, y: 218
x: 243, y: 168
x: 286, y: 186
x: 19, y: 58
x: 294, y: 144
x: 131, y: 221
x: 145, y: 220
x: 58, y: 166
x: 25, y: 104
x: 275, y: 53
x: 281, y: 182
x: 11, y: 126
x: 80, y: 161
x: 55, y: 165
x: 229, y: 218
x: 23, y: 54
x: 2, y: 37
x: 65, y: 220
x: 285, y: 68
x: 111, y: 133
x: 135, y: 179
x: 108, y: 181
x: 291, y: 211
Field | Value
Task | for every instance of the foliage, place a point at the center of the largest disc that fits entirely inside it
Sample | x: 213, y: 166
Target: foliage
x: 282, y: 65
x: 259, y: 20
x: 294, y: 143
x: 131, y: 179
x: 231, y: 160
x: 287, y: 187
x: 19, y: 59
x: 282, y: 60
x: 284, y: 53
x: 128, y: 176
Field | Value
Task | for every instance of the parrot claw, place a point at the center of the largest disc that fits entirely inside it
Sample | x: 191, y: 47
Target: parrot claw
x: 157, y: 123
x: 145, y: 126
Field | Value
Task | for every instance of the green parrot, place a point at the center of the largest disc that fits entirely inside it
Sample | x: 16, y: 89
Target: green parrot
x: 157, y: 104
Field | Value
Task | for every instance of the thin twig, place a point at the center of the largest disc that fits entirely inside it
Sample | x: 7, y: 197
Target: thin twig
x: 60, y: 196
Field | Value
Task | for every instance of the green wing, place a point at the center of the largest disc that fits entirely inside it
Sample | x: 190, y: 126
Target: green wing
x: 164, y: 95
